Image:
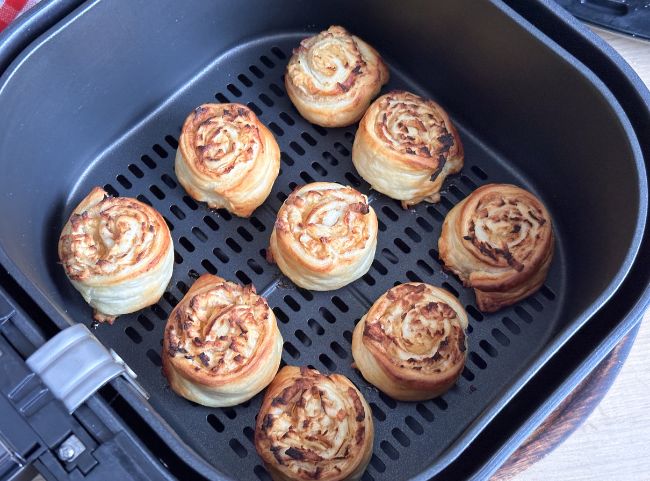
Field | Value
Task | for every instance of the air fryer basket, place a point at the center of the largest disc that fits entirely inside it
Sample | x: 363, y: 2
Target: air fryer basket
x: 101, y: 100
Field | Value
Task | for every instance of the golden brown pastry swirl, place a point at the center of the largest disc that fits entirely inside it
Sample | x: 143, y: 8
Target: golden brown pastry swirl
x: 227, y: 158
x: 406, y: 146
x: 412, y: 342
x: 117, y: 252
x: 332, y: 77
x: 314, y: 427
x: 325, y: 236
x: 221, y: 343
x: 498, y: 240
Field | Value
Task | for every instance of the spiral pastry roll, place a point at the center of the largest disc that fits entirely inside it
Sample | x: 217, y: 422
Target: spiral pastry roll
x: 312, y: 426
x: 227, y: 158
x: 498, y: 240
x: 221, y: 344
x: 325, y: 236
x: 117, y: 252
x: 412, y: 343
x: 406, y: 146
x: 332, y: 77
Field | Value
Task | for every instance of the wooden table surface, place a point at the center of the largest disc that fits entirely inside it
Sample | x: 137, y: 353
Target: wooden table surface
x: 613, y: 444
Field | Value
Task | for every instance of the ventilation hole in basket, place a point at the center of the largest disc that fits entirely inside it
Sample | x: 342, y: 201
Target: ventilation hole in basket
x: 401, y: 245
x: 446, y: 203
x: 435, y: 256
x: 169, y: 182
x: 255, y: 267
x: 209, y: 221
x: 401, y: 437
x: 467, y: 374
x: 232, y: 243
x: 381, y: 225
x: 155, y: 190
x: 182, y: 287
x: 468, y: 182
x: 234, y: 90
x: 154, y: 357
x: 133, y: 334
x: 316, y: 327
x: 185, y: 242
x: 353, y: 179
x: 276, y: 90
x: 368, y: 279
x: 414, y: 425
x: 456, y: 192
x: 500, y: 337
x: 327, y: 315
x: 308, y: 138
x: 216, y: 424
x: 470, y: 329
x: 433, y: 212
x: 249, y: 432
x: 144, y: 200
x: 221, y: 255
x: 256, y: 110
x: 479, y: 172
x: 291, y: 302
x: 124, y: 182
x: 302, y: 337
x: 422, y: 222
x: 292, y: 186
x: 238, y: 448
x: 245, y: 80
x: 243, y: 277
x: 148, y: 161
x: 440, y: 403
x: 266, y: 100
x: 279, y: 313
x: 281, y: 196
x: 338, y: 350
x: 171, y: 141
x: 287, y: 119
x: 377, y: 463
x: 413, y: 277
x: 424, y: 412
x: 488, y: 348
x: 340, y: 304
x: 523, y: 314
x: 261, y: 473
x: 190, y: 202
x: 367, y: 477
x: 414, y: 236
x: 341, y: 149
x: 209, y: 266
x: 221, y: 98
x: 278, y: 53
x: 425, y: 267
x: 170, y: 298
x: 193, y: 274
x: 347, y: 335
x: 379, y: 267
x: 377, y: 412
x: 306, y: 295
x: 390, y: 213
x: 178, y: 259
x: 296, y: 148
x: 535, y: 304
x: 158, y: 149
x: 390, y: 257
x: 291, y: 350
x: 247, y: 236
x: 387, y: 400
x: 277, y: 130
x: 349, y: 136
x: 229, y: 412
x: 450, y: 288
x: 256, y: 71
x: 178, y: 213
x: 135, y: 170
x: 110, y: 190
x: 477, y: 360
x: 327, y: 362
x: 145, y: 322
x: 475, y: 313
x: 169, y: 224
x: 390, y: 451
x: 159, y: 312
x: 306, y: 177
x: 330, y: 158
x: 547, y: 292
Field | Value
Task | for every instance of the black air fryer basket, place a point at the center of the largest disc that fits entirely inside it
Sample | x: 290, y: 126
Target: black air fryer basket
x: 99, y: 99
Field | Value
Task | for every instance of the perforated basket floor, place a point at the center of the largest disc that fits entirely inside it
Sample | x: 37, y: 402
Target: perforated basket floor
x: 316, y: 326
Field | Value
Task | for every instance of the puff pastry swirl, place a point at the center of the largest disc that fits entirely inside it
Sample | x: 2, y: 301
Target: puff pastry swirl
x: 221, y: 344
x: 227, y: 158
x: 412, y: 343
x: 325, y: 236
x: 117, y: 252
x: 312, y: 426
x: 498, y: 240
x: 332, y: 77
x: 406, y: 146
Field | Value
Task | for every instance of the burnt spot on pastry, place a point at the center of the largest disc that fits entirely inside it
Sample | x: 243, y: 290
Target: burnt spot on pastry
x: 205, y: 359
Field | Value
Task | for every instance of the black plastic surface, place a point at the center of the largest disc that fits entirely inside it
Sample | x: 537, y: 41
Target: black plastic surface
x: 631, y: 17
x: 520, y: 139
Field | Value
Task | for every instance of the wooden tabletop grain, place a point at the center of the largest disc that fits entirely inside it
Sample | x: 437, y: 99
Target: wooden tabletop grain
x: 614, y: 442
